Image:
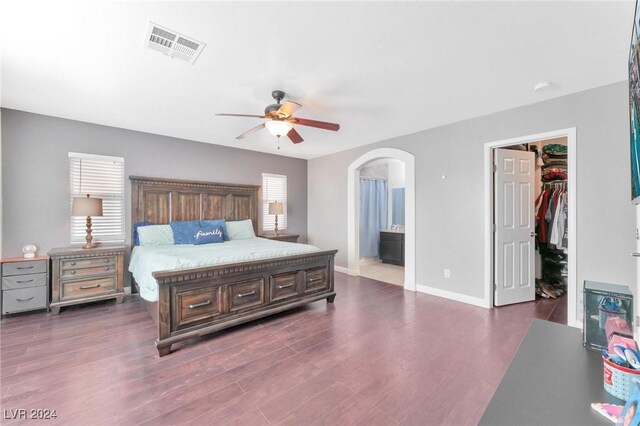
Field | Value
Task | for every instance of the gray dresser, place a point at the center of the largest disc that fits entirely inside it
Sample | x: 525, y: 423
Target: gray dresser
x: 25, y: 284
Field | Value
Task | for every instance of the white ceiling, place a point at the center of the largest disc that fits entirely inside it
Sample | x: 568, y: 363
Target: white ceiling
x: 380, y: 69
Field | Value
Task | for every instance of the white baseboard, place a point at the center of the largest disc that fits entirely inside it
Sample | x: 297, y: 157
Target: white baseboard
x: 575, y: 324
x: 344, y: 270
x: 476, y: 301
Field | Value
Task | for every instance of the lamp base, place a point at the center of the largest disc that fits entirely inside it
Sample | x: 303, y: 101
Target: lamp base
x: 89, y: 238
x: 275, y: 230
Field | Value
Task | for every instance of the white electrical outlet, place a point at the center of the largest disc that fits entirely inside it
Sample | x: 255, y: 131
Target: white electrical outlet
x: 447, y: 273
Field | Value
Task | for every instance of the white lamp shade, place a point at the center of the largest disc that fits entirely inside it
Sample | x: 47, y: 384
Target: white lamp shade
x: 276, y: 208
x: 85, y: 206
x: 278, y: 128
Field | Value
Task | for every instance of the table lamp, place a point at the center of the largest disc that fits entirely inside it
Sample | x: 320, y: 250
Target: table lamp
x: 276, y: 208
x: 86, y: 206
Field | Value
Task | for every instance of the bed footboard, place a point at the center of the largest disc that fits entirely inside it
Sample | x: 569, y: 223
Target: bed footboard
x: 199, y: 301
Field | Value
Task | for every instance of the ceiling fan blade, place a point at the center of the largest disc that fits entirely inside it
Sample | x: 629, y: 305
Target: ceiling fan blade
x: 313, y: 123
x: 294, y: 136
x: 242, y: 115
x: 288, y: 108
x: 248, y: 132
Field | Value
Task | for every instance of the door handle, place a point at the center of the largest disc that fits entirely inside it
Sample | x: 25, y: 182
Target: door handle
x: 532, y: 234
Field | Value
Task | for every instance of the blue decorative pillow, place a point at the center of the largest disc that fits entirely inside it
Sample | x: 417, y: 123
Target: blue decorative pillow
x: 136, y: 238
x: 221, y: 222
x: 185, y: 232
x: 209, y: 234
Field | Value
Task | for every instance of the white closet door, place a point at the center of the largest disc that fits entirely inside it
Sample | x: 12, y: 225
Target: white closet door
x: 514, y: 236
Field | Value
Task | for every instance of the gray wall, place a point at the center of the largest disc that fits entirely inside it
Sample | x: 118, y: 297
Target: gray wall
x: 450, y: 213
x: 35, y: 172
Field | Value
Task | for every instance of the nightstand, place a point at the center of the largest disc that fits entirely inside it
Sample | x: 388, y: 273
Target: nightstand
x: 290, y: 238
x: 25, y: 284
x: 86, y: 275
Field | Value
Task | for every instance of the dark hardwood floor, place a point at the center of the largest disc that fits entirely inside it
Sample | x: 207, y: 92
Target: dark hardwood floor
x: 377, y: 356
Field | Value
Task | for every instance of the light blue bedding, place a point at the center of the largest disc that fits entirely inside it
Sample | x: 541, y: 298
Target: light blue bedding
x: 148, y: 259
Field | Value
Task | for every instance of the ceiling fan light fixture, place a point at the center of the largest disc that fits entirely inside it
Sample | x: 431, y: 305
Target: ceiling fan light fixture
x: 278, y: 128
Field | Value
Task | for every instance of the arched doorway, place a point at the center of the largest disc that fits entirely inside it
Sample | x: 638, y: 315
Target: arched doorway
x: 353, y: 227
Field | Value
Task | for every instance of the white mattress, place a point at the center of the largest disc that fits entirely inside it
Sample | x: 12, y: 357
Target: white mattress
x: 148, y: 259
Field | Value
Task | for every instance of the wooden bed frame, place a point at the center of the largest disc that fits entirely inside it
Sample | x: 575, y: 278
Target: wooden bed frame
x: 198, y: 301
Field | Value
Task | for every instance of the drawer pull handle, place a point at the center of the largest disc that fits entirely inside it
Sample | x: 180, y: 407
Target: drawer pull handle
x: 25, y: 281
x: 106, y: 268
x: 73, y: 263
x: 106, y: 261
x: 73, y: 272
x: 314, y: 279
x: 280, y: 287
x: 200, y: 305
x: 25, y: 300
x: 251, y: 293
x: 25, y: 267
x: 87, y: 287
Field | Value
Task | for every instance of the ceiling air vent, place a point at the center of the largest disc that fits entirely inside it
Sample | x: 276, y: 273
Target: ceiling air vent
x: 172, y: 43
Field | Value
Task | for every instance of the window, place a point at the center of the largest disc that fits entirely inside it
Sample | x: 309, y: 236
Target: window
x: 274, y: 188
x: 102, y: 177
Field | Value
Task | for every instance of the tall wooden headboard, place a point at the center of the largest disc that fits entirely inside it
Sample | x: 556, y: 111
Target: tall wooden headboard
x: 160, y: 200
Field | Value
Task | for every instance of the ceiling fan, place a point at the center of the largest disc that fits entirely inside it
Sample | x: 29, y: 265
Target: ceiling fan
x: 279, y: 120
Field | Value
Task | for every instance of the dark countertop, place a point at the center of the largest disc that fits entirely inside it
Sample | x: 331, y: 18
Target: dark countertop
x: 552, y: 380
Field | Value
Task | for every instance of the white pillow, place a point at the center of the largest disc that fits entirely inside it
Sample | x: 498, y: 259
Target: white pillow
x: 240, y: 230
x: 155, y: 235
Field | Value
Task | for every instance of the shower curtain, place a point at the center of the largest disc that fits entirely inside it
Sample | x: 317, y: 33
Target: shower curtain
x: 373, y: 215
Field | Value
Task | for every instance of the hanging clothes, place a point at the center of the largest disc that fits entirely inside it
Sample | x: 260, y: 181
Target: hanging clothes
x: 551, y: 216
x: 540, y: 218
x: 557, y: 228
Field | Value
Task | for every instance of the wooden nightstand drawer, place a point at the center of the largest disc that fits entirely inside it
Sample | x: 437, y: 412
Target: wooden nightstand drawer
x: 284, y: 286
x: 26, y: 267
x: 91, y: 262
x: 245, y: 294
x: 23, y: 281
x: 108, y: 269
x: 24, y: 299
x: 316, y: 279
x: 79, y: 289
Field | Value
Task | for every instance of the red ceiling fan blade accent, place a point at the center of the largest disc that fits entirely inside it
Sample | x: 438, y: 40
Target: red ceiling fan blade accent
x: 242, y: 115
x: 288, y: 108
x: 313, y: 123
x: 294, y: 136
x: 248, y: 132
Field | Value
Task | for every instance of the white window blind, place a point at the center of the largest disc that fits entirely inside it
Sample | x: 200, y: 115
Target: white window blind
x: 101, y: 177
x: 274, y: 188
